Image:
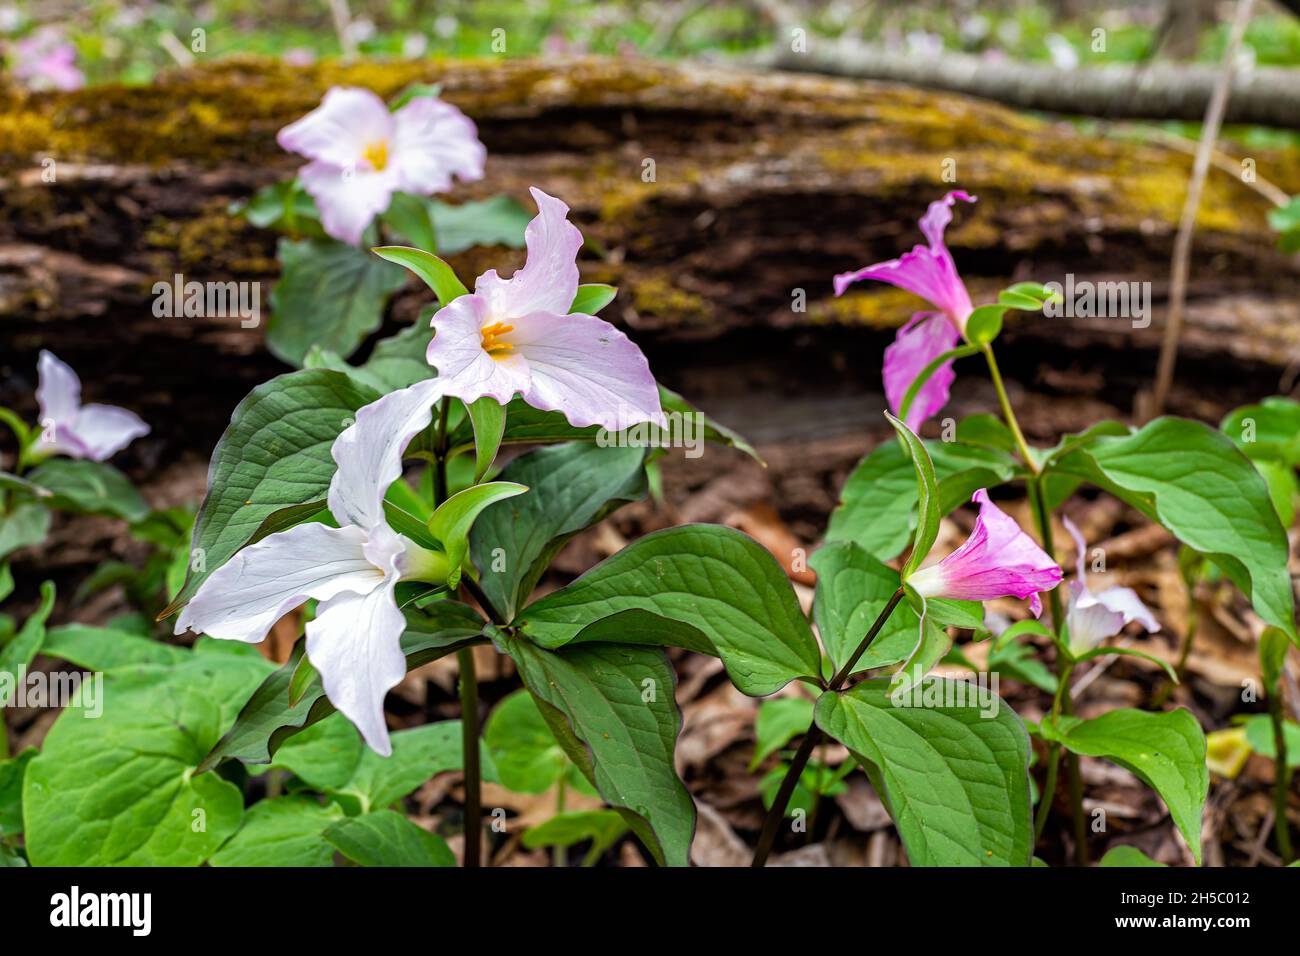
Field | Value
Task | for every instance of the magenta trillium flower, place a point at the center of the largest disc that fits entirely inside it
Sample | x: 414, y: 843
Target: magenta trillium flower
x: 69, y: 428
x: 46, y: 61
x: 354, y: 641
x: 927, y: 271
x: 1093, y: 617
x: 997, y: 560
x: 517, y: 336
x: 361, y: 154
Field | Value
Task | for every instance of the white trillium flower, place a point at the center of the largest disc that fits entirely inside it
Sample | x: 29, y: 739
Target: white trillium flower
x: 354, y: 642
x: 1092, y: 617
x: 69, y: 428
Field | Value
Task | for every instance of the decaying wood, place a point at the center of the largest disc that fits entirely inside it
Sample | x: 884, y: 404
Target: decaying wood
x: 763, y: 187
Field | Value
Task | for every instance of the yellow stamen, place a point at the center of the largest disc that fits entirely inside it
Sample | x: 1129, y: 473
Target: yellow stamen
x: 376, y: 154
x: 491, y: 339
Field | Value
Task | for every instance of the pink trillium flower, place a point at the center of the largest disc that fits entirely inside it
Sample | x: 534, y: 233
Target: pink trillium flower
x: 1092, y: 617
x: 516, y: 336
x: 997, y: 560
x: 928, y: 271
x: 361, y: 154
x: 354, y: 641
x: 69, y: 428
x: 45, y: 61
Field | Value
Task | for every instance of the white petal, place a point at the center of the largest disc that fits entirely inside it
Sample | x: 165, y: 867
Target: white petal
x: 104, y: 430
x: 338, y: 131
x: 347, y: 199
x: 1126, y: 602
x: 58, y: 390
x: 369, y: 452
x: 432, y: 142
x: 243, y: 598
x: 465, y: 370
x: 549, y: 279
x: 1090, y: 622
x: 355, y: 644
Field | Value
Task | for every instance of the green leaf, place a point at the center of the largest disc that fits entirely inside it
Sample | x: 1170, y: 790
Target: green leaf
x: 1282, y: 488
x: 283, y: 206
x: 1267, y: 431
x: 1130, y: 652
x: 330, y: 294
x: 571, y: 487
x: 325, y: 756
x: 394, y: 362
x: 955, y: 781
x: 268, y: 719
x: 11, y: 792
x: 612, y: 709
x: 386, y: 838
x: 106, y: 649
x: 962, y: 351
x: 601, y: 827
x: 282, y: 831
x: 273, y: 457
x: 985, y: 324
x: 1165, y: 750
x: 986, y: 430
x: 877, y: 501
x: 122, y: 790
x: 527, y: 756
x: 1192, y: 480
x: 453, y: 519
x: 591, y: 298
x: 489, y: 419
x: 927, y: 497
x: 1259, y: 734
x: 90, y: 487
x: 1127, y: 856
x: 497, y: 221
x: 18, y: 652
x: 435, y: 273
x: 852, y: 589
x: 715, y: 579
x: 409, y: 217
x: 414, y: 92
x: 779, y: 721
x: 27, y: 524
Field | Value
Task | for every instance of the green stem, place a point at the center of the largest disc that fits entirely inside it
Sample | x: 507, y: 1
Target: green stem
x: 1282, y: 777
x: 1007, y: 413
x: 561, y: 851
x: 469, y: 744
x: 776, y: 812
x: 440, y: 454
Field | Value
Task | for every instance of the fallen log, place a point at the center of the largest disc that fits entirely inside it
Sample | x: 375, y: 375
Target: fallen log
x: 763, y: 187
x: 1263, y: 96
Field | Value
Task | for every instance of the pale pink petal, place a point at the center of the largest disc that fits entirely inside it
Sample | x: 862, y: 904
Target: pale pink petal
x: 58, y: 390
x: 369, y: 452
x: 465, y: 370
x: 587, y: 369
x: 348, y: 198
x: 549, y: 279
x: 997, y: 560
x: 1091, y: 618
x: 432, y: 142
x: 338, y: 131
x: 244, y: 597
x: 1080, y: 550
x: 1089, y: 622
x: 927, y: 271
x: 104, y: 430
x: 355, y: 643
x: 918, y: 343
x: 1126, y: 602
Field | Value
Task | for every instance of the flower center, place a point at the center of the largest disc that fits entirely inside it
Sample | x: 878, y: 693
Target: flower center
x: 492, y: 343
x: 376, y: 154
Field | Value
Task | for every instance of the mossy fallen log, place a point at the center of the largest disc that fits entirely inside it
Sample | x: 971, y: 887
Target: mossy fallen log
x: 720, y: 203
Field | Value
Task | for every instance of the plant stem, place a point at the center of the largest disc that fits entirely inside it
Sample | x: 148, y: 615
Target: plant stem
x: 484, y: 601
x: 776, y: 813
x: 440, y: 454
x: 1049, y: 788
x: 1021, y: 445
x: 1282, y: 776
x: 561, y: 851
x: 469, y: 744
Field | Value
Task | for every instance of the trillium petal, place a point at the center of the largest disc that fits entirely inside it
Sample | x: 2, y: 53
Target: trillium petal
x: 938, y: 216
x: 348, y: 198
x: 1089, y: 622
x: 1125, y: 601
x: 549, y: 279
x: 369, y: 452
x: 587, y: 369
x: 997, y: 560
x: 433, y: 141
x: 104, y: 430
x: 58, y: 390
x: 355, y: 643
x: 337, y: 132
x: 465, y: 370
x: 243, y: 598
x: 918, y: 343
